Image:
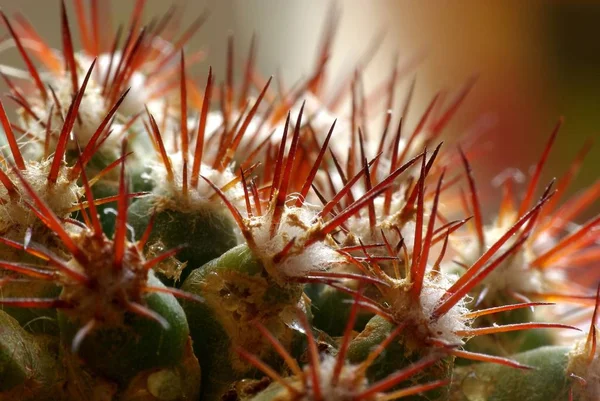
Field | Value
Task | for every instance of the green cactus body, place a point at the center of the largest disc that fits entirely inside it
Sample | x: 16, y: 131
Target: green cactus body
x: 207, y: 233
x: 330, y: 309
x: 396, y: 357
x: 237, y: 291
x: 33, y: 320
x: 175, y: 383
x: 515, y: 275
x: 275, y: 392
x: 28, y: 365
x: 508, y: 343
x: 330, y: 376
x: 546, y: 381
x: 120, y: 352
x: 104, y: 189
x: 108, y: 186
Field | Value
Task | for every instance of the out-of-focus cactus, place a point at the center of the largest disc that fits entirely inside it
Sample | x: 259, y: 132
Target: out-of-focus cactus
x: 28, y: 364
x: 316, y: 260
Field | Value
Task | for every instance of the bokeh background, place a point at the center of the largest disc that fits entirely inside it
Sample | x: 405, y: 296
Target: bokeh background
x: 535, y: 60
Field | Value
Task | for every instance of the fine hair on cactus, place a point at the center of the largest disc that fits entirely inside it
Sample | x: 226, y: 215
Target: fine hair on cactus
x: 166, y: 236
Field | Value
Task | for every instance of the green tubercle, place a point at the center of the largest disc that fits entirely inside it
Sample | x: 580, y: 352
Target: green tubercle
x: 180, y: 382
x: 507, y: 343
x: 545, y: 381
x: 140, y: 343
x: 28, y: 363
x: 331, y: 309
x: 238, y: 292
x: 395, y: 357
x: 207, y: 233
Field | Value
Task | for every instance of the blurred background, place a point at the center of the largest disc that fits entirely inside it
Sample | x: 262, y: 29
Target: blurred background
x: 535, y: 60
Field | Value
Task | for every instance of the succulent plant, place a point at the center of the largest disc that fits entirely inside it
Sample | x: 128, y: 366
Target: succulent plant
x: 156, y: 245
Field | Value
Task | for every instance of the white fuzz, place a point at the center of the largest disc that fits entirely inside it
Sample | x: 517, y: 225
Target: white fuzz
x: 454, y: 320
x: 317, y: 257
x: 321, y: 120
x: 593, y: 377
x: 515, y: 273
x: 581, y: 366
x: 139, y: 91
x: 422, y: 326
x: 92, y: 109
x: 214, y: 122
x: 359, y: 224
x: 347, y: 386
x: 295, y: 223
x: 214, y: 126
x: 16, y: 217
x: 419, y: 316
x: 197, y: 197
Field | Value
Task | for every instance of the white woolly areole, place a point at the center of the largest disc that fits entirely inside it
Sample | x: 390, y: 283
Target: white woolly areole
x: 92, y: 109
x: 322, y: 118
x: 515, y: 273
x: 214, y: 126
x: 454, y: 320
x: 346, y: 388
x: 197, y: 197
x: 444, y: 328
x: 16, y: 216
x: 169, y: 123
x: 139, y: 91
x: 580, y: 365
x: 543, y: 242
x: 295, y: 223
x: 359, y: 226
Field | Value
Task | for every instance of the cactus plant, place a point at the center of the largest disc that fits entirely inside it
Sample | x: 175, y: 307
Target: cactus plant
x: 158, y: 244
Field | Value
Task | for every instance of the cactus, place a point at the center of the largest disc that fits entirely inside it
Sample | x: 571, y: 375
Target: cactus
x: 157, y: 244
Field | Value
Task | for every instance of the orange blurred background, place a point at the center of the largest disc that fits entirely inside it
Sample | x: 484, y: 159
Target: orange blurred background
x: 535, y: 60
